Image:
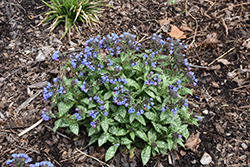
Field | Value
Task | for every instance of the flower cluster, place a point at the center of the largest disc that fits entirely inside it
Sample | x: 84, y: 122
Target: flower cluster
x: 22, y: 160
x: 123, y: 91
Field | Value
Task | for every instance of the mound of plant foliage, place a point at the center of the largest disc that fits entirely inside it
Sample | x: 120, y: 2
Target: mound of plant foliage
x: 125, y: 93
x: 72, y: 11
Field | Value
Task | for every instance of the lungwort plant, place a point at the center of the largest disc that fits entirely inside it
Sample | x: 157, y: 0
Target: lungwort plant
x: 72, y: 11
x: 126, y: 93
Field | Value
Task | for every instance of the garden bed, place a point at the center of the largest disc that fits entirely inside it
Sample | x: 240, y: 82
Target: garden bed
x: 218, y: 36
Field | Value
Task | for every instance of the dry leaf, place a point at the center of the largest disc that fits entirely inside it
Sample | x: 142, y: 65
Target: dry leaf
x: 185, y: 28
x: 219, y: 128
x: 193, y: 142
x: 209, y: 42
x: 240, y: 82
x: 164, y: 21
x: 215, y: 85
x: 214, y: 67
x: 224, y: 61
x: 176, y: 33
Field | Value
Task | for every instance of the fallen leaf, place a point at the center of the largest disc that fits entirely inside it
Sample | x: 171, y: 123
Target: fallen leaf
x: 176, y: 33
x: 185, y: 28
x: 214, y: 67
x: 166, y: 21
x: 193, y: 142
x: 224, y: 61
x: 215, y: 85
x: 219, y: 128
x: 239, y: 81
x: 209, y: 42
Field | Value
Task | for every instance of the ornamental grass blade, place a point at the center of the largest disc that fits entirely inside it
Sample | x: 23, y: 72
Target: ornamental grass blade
x: 110, y: 152
x: 77, y: 14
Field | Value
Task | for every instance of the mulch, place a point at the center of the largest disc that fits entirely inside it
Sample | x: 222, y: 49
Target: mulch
x: 219, y: 43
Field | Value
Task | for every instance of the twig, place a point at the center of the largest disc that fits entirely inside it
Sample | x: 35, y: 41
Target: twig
x: 225, y: 25
x: 5, y: 4
x: 92, y: 157
x: 22, y: 68
x: 26, y: 103
x: 196, y: 22
x: 30, y: 128
x: 28, y: 149
x: 60, y: 134
x: 36, y: 62
x: 221, y: 56
x: 245, y: 3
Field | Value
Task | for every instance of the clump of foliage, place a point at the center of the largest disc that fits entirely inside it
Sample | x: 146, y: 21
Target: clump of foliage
x: 126, y: 93
x: 22, y: 160
x: 72, y: 11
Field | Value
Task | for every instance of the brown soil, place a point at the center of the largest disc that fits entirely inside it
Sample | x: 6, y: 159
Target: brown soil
x: 219, y: 52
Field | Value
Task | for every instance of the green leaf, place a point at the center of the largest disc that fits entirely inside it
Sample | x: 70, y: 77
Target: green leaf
x: 93, y: 139
x: 145, y: 154
x: 125, y: 141
x: 67, y: 81
x: 105, y: 125
x: 185, y: 90
x: 151, y: 116
x: 157, y: 127
x: 185, y: 133
x: 141, y: 120
x: 74, y: 128
x: 161, y: 144
x: 142, y: 135
x: 164, y: 115
x: 132, y: 117
x: 158, y: 99
x: 103, y: 139
x: 153, y: 88
x: 132, y: 135
x: 170, y: 143
x: 120, y: 119
x: 111, y: 139
x: 57, y: 124
x: 150, y: 93
x: 92, y: 131
x: 107, y: 95
x: 110, y: 152
x: 113, y: 130
x: 151, y: 135
x: 85, y: 100
x: 122, y: 132
x: 122, y: 111
x: 133, y: 83
x: 63, y: 108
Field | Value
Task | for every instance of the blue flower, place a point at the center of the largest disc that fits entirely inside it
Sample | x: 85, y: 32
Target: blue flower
x: 91, y: 113
x: 55, y: 56
x: 77, y: 115
x: 102, y: 107
x: 44, y: 116
x: 163, y: 109
x: 105, y: 113
x: 138, y: 113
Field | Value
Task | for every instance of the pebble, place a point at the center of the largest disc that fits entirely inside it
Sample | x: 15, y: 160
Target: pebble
x: 244, y: 130
x: 244, y: 146
x: 205, y: 112
x: 206, y: 159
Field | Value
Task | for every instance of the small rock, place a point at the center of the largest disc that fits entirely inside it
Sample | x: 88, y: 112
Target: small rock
x: 205, y: 112
x: 206, y: 159
x: 244, y: 146
x: 194, y: 162
x: 244, y: 130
